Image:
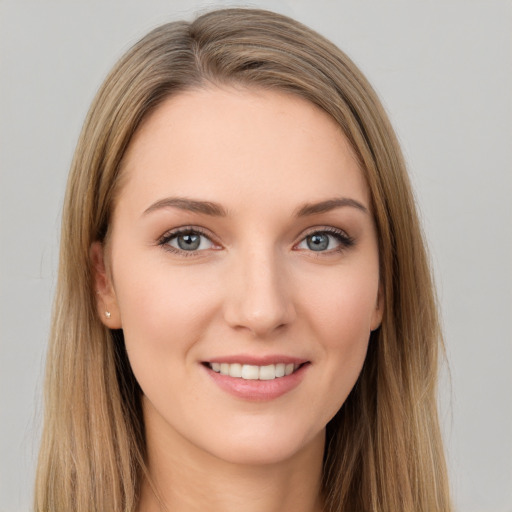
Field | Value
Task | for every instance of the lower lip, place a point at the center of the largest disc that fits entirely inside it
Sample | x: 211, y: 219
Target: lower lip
x: 258, y: 390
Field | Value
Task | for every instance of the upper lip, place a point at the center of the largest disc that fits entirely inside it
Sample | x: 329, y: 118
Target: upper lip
x: 257, y: 360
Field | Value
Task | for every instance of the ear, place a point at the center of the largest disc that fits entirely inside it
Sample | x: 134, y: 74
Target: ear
x: 379, y: 310
x: 106, y: 302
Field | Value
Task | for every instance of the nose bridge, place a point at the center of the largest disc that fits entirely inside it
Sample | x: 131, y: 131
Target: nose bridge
x: 259, y: 297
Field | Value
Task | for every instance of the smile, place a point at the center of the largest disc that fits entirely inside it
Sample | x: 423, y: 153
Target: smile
x: 253, y: 372
x: 255, y: 382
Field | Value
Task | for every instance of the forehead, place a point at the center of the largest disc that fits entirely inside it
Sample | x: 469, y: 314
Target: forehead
x: 239, y: 146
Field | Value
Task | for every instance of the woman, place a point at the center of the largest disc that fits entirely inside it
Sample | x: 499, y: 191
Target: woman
x: 245, y: 317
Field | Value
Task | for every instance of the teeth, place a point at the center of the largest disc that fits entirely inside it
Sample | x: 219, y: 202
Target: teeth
x: 235, y: 370
x: 268, y: 372
x: 252, y: 372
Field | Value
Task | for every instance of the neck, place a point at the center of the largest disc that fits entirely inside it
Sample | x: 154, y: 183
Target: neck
x: 183, y: 478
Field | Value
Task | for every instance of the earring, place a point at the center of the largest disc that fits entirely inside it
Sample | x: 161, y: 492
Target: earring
x: 107, y: 314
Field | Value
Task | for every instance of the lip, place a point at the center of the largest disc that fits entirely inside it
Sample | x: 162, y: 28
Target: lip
x: 257, y: 360
x: 258, y: 390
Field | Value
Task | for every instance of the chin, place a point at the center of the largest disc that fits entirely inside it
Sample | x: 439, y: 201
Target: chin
x: 266, y: 448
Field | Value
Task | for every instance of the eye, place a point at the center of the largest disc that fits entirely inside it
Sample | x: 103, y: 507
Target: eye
x: 186, y: 240
x: 326, y: 240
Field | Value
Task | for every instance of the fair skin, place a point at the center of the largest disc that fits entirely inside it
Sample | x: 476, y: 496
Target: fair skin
x: 242, y: 235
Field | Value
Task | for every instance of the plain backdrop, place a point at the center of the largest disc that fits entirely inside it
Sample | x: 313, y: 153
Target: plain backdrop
x: 444, y: 72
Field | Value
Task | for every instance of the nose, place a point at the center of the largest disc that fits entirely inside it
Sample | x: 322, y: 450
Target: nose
x: 259, y: 295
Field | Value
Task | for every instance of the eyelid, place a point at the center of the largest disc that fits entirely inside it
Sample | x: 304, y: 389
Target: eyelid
x: 163, y: 241
x: 344, y: 239
x: 324, y: 229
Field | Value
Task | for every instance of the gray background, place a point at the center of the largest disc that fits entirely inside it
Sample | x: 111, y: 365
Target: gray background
x: 444, y: 72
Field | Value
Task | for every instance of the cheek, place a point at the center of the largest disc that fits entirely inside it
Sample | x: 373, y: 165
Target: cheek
x: 341, y: 318
x: 344, y: 306
x: 152, y: 291
x: 163, y: 311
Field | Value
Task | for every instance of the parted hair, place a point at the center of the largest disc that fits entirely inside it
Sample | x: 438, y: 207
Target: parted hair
x: 383, y: 450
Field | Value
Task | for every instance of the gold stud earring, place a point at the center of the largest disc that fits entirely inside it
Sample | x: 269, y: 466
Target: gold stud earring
x: 107, y: 314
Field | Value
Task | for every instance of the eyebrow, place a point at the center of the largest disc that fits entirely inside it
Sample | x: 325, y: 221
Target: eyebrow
x: 191, y: 205
x: 328, y: 205
x: 216, y: 210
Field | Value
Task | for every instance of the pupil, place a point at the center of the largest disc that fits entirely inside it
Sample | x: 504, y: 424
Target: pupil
x: 318, y: 242
x: 189, y: 242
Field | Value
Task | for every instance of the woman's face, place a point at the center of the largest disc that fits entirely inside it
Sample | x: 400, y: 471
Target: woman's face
x: 242, y: 248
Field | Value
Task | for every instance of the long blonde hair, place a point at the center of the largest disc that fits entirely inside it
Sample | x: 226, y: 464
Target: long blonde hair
x: 384, y: 451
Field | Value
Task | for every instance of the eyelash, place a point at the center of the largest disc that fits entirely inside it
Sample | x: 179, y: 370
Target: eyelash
x: 187, y: 230
x: 345, y: 241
